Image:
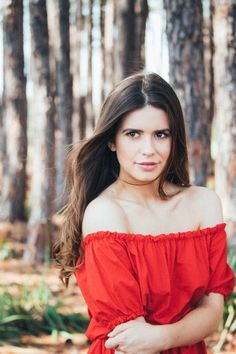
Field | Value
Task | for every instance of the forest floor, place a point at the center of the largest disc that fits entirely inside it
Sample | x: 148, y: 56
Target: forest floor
x: 13, y: 271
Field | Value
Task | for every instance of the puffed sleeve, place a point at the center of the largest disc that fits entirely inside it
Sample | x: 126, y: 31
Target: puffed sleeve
x: 108, y: 284
x: 221, y: 275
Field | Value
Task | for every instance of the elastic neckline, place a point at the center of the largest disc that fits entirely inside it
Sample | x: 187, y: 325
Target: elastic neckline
x: 101, y: 234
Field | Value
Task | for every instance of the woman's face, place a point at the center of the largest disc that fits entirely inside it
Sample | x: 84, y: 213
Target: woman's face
x: 142, y: 144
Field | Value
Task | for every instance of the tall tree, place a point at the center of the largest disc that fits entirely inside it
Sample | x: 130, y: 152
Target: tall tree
x: 2, y: 143
x: 63, y: 93
x: 78, y: 119
x: 89, y: 96
x: 102, y: 4
x: 79, y: 34
x: 225, y: 117
x: 108, y: 44
x: 211, y: 56
x: 14, y: 120
x: 208, y: 40
x: 40, y: 226
x: 184, y: 26
x: 131, y: 19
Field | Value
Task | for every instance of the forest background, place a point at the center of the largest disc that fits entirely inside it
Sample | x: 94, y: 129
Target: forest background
x: 58, y: 61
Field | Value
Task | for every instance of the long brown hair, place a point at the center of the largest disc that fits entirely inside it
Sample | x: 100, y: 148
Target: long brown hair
x: 92, y: 167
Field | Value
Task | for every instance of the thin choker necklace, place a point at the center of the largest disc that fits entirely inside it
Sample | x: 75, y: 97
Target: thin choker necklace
x: 136, y: 184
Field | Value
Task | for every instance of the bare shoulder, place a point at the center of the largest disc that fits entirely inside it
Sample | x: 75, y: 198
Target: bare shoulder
x: 207, y: 204
x: 104, y: 214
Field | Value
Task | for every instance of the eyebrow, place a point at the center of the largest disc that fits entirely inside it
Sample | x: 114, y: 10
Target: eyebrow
x: 141, y: 131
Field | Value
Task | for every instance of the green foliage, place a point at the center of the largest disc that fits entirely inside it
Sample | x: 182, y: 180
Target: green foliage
x: 229, y: 322
x: 230, y: 305
x: 27, y: 311
x: 5, y: 250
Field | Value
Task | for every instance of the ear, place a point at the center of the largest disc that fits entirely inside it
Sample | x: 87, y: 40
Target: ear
x: 111, y: 146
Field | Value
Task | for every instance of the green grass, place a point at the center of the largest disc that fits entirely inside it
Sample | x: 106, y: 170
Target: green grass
x: 230, y: 305
x: 31, y: 312
x: 5, y: 251
x: 229, y: 319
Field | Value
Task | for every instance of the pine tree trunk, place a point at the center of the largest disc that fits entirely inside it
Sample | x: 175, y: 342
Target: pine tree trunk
x: 208, y: 39
x: 83, y: 109
x: 63, y: 94
x: 14, y: 118
x: 225, y: 118
x: 102, y: 41
x: 110, y: 45
x: 211, y: 66
x: 89, y: 96
x: 2, y: 143
x: 186, y: 61
x: 75, y: 40
x: 141, y: 14
x: 131, y: 24
x: 42, y: 195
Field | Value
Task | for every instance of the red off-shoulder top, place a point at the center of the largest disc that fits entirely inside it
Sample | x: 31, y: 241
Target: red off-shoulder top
x: 159, y: 277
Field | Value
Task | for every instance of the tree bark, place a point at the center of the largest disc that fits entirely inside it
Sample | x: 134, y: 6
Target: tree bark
x: 2, y: 143
x: 110, y: 43
x: 102, y: 41
x: 208, y: 40
x: 131, y: 24
x: 225, y: 117
x: 75, y: 40
x: 14, y: 120
x: 63, y: 101
x: 186, y: 60
x: 42, y: 195
x: 89, y: 97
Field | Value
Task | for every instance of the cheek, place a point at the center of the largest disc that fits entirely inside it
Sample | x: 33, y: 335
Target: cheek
x: 125, y: 149
x: 164, y: 148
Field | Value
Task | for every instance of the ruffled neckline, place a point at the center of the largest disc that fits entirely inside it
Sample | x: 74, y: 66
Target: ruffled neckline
x: 101, y: 234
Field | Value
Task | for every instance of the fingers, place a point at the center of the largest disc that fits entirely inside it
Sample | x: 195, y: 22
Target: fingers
x: 112, y: 343
x: 120, y: 328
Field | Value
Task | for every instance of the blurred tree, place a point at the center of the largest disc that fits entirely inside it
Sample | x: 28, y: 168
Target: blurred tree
x: 89, y: 96
x: 108, y: 40
x: 2, y: 142
x: 210, y: 78
x: 42, y: 193
x: 76, y: 25
x: 63, y: 99
x: 184, y: 25
x: 79, y: 29
x: 130, y: 22
x: 14, y: 120
x: 208, y: 39
x: 102, y: 41
x: 225, y: 117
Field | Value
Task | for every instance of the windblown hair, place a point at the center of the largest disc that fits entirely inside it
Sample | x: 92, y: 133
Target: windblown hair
x: 92, y: 167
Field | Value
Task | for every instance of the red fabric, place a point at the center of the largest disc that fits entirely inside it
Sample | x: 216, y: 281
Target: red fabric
x: 159, y: 277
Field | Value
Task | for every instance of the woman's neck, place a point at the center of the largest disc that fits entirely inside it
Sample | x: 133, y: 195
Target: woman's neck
x: 141, y: 192
x: 145, y: 194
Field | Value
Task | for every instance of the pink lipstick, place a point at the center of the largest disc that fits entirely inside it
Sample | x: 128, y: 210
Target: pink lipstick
x: 148, y: 166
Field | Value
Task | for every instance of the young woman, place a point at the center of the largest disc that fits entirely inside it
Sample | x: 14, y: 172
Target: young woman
x: 147, y: 248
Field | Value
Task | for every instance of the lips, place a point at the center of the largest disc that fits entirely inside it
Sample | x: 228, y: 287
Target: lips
x: 147, y: 163
x: 148, y: 166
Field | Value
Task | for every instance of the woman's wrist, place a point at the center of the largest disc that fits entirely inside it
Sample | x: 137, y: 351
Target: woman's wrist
x: 161, y: 337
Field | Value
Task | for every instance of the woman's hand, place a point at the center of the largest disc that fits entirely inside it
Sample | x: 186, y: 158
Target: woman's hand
x: 138, y: 319
x: 134, y: 337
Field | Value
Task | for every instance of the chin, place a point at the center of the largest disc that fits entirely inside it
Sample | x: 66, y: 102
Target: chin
x: 149, y: 178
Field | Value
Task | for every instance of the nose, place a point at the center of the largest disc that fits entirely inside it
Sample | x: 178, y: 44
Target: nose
x: 148, y: 148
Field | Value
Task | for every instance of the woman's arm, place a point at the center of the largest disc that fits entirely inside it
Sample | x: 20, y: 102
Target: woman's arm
x: 194, y: 327
x: 197, y: 324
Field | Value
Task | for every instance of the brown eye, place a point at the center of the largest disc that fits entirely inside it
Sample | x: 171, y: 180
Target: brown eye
x: 162, y: 135
x: 132, y: 134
